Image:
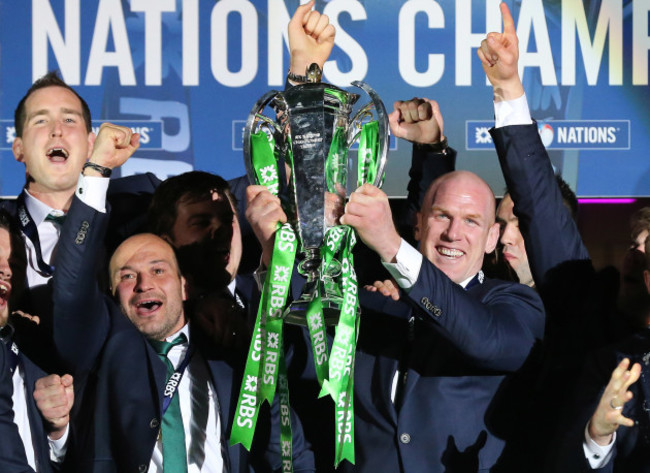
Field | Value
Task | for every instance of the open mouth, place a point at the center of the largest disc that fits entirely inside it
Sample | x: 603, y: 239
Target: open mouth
x: 148, y: 306
x: 5, y: 292
x: 450, y: 253
x: 57, y: 155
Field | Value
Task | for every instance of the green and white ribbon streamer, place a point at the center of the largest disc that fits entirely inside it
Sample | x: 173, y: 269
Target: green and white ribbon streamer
x: 340, y: 241
x: 286, y: 438
x: 265, y: 162
x: 265, y: 363
x: 318, y: 336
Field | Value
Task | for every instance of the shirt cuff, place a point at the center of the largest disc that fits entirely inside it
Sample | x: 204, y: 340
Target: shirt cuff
x: 59, y: 447
x: 597, y: 455
x: 407, y: 267
x: 91, y: 190
x: 512, y: 112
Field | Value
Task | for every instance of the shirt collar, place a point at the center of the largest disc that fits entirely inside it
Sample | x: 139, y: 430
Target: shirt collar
x: 481, y: 276
x: 39, y: 210
x: 185, y: 330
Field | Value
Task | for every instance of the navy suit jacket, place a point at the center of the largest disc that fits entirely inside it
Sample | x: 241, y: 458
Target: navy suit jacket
x: 12, y: 450
x: 631, y: 453
x: 576, y: 297
x: 579, y: 301
x: 39, y: 434
x: 123, y: 377
x: 458, y: 351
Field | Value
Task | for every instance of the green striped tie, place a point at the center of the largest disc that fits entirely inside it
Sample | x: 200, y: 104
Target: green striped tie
x: 173, y: 433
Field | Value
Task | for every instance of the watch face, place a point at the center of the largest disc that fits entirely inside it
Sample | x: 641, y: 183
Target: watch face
x: 314, y: 73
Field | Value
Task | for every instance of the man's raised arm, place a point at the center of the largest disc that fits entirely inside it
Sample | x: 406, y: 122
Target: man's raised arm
x: 550, y: 234
x: 81, y: 319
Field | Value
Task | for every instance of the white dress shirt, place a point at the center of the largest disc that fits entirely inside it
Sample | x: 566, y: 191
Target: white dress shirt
x: 48, y: 236
x: 48, y: 232
x: 21, y: 419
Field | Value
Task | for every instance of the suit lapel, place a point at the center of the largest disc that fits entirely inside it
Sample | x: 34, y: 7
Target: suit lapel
x: 39, y: 439
x: 644, y: 381
x: 389, y: 317
x: 159, y: 371
x: 385, y: 370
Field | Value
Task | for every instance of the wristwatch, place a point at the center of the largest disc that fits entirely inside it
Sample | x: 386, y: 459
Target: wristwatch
x: 313, y: 74
x: 104, y: 171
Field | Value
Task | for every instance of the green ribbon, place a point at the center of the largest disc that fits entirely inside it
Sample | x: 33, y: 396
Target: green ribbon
x: 243, y: 427
x: 276, y: 288
x: 266, y: 164
x: 265, y: 362
x: 368, y: 154
x: 286, y: 438
x: 318, y: 336
x: 339, y: 384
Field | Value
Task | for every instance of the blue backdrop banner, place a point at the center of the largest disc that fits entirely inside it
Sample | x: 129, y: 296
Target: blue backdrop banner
x: 185, y: 74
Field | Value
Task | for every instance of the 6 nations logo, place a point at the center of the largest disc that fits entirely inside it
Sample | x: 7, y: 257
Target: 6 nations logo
x: 561, y: 134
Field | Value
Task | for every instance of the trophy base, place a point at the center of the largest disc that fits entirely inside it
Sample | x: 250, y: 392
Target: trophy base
x: 296, y: 313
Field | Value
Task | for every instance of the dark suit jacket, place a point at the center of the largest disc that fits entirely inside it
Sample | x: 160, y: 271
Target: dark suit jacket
x: 129, y: 197
x: 579, y: 301
x: 458, y: 352
x: 12, y: 450
x: 39, y: 434
x: 38, y: 441
x: 123, y: 376
x: 572, y: 291
x: 631, y: 452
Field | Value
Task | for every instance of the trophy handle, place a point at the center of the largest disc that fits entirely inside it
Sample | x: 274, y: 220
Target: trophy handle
x: 382, y: 121
x: 257, y: 119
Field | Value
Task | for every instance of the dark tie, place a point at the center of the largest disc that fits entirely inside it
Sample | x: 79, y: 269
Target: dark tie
x: 173, y: 433
x: 59, y: 220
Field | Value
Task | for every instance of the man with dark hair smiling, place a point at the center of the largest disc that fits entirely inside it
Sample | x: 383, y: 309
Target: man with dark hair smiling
x: 195, y: 213
x: 53, y: 139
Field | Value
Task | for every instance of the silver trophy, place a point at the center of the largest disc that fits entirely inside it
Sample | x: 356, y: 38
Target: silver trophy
x: 313, y: 126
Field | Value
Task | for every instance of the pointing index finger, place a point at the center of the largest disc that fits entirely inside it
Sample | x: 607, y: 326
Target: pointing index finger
x: 508, y: 22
